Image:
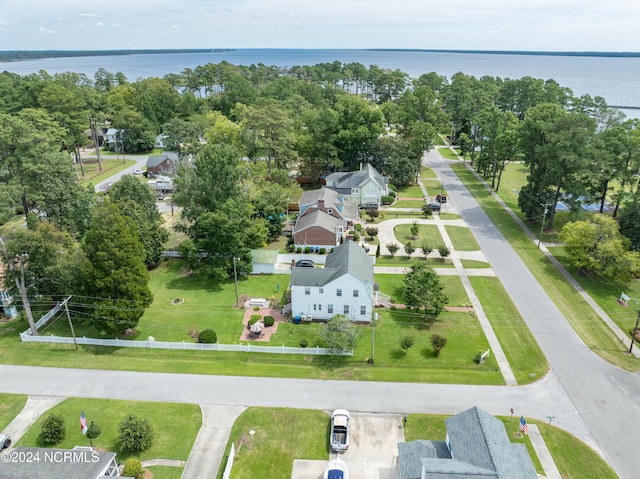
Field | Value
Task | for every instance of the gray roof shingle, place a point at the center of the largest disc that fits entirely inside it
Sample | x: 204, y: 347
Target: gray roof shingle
x: 347, y: 258
x: 480, y: 449
x: 321, y: 219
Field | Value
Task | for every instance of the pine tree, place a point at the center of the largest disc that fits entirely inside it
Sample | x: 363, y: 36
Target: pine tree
x: 114, y: 272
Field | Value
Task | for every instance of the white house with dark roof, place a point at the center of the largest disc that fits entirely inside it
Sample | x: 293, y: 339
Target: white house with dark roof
x: 476, y: 446
x: 344, y: 286
x: 363, y: 187
x: 52, y: 463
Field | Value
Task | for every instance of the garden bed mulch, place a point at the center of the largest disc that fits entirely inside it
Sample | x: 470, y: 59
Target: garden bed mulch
x: 268, y: 331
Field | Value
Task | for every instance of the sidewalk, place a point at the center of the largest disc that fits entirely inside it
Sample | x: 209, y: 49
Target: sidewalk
x: 208, y: 449
x: 548, y: 464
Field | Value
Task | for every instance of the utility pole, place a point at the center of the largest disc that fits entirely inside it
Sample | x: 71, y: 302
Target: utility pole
x: 73, y: 332
x: 635, y: 331
x: 544, y: 218
x: 373, y: 337
x: 235, y: 277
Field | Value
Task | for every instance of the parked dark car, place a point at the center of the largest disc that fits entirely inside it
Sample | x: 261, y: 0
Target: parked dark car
x: 305, y: 263
x: 432, y: 207
x: 369, y: 206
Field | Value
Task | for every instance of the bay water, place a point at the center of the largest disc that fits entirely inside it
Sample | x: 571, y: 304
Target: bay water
x: 616, y: 79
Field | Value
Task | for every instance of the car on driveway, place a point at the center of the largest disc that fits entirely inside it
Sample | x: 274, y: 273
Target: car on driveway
x: 305, y: 263
x: 5, y: 441
x: 432, y: 207
x: 340, y: 430
x: 136, y: 171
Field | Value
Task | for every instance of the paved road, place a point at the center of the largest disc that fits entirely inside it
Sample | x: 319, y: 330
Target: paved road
x: 140, y: 162
x: 607, y: 398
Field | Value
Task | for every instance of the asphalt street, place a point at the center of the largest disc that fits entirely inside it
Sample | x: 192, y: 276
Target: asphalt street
x: 606, y: 398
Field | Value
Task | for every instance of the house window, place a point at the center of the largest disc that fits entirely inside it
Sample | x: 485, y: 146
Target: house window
x: 346, y: 309
x: 370, y: 193
x: 307, y: 291
x: 329, y: 211
x: 319, y: 307
x: 330, y: 308
x: 363, y: 310
x: 338, y: 292
x: 315, y: 307
x: 356, y: 293
x: 321, y: 291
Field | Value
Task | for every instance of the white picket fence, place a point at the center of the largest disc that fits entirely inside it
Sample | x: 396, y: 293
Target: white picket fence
x: 184, y: 345
x: 227, y: 468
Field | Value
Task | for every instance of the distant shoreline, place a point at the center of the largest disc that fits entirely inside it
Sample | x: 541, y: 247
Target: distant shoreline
x: 24, y: 55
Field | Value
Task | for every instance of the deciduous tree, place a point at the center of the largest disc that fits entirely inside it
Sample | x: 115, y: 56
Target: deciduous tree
x: 423, y: 289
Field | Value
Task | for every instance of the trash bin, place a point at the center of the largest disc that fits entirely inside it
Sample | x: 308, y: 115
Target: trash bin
x: 296, y: 319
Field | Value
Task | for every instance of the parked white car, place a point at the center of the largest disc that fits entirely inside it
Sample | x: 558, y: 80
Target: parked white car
x: 5, y: 441
x: 136, y: 171
x: 340, y: 430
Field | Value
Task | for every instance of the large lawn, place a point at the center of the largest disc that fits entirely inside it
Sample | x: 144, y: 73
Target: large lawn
x: 168, y: 420
x: 279, y: 436
x: 427, y: 234
x: 93, y: 174
x: 411, y: 191
x: 462, y: 238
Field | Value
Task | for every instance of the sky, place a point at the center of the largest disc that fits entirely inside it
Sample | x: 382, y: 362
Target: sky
x: 548, y: 25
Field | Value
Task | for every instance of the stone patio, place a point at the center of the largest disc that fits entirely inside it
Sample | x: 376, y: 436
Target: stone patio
x: 267, y: 332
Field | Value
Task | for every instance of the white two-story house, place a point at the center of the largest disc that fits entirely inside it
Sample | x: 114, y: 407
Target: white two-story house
x: 365, y: 187
x: 344, y: 286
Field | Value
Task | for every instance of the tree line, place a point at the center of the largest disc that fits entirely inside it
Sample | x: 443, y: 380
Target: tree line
x: 247, y: 130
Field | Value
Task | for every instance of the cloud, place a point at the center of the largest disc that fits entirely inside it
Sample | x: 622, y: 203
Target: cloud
x: 88, y: 15
x: 2, y: 22
x: 117, y: 25
x: 46, y: 31
x: 175, y: 26
x: 99, y: 24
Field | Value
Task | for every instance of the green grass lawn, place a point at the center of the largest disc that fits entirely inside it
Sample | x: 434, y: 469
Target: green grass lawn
x: 447, y: 154
x: 166, y: 472
x: 280, y: 436
x: 427, y: 173
x: 428, y: 234
x: 405, y: 261
x: 472, y: 263
x: 207, y: 304
x: 462, y: 238
x: 16, y: 222
x: 522, y: 350
x: 392, y: 284
x: 574, y: 458
x: 168, y: 420
x: 92, y: 174
x: 410, y: 191
x: 449, y: 216
x: 591, y: 329
x: 408, y: 204
x: 434, y: 187
x: 10, y: 406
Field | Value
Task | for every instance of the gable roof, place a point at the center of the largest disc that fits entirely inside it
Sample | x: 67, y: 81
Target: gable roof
x: 82, y: 464
x: 412, y: 453
x: 321, y: 219
x: 347, y: 258
x: 153, y: 161
x: 311, y: 197
x: 355, y: 179
x: 479, y: 448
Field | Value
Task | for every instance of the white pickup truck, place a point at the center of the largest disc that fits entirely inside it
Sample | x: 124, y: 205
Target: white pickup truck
x: 340, y: 430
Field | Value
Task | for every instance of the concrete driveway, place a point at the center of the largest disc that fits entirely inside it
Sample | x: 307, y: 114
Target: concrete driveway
x: 372, y: 453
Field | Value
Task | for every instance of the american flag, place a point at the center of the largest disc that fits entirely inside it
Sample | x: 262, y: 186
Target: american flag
x: 83, y: 423
x: 523, y: 425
